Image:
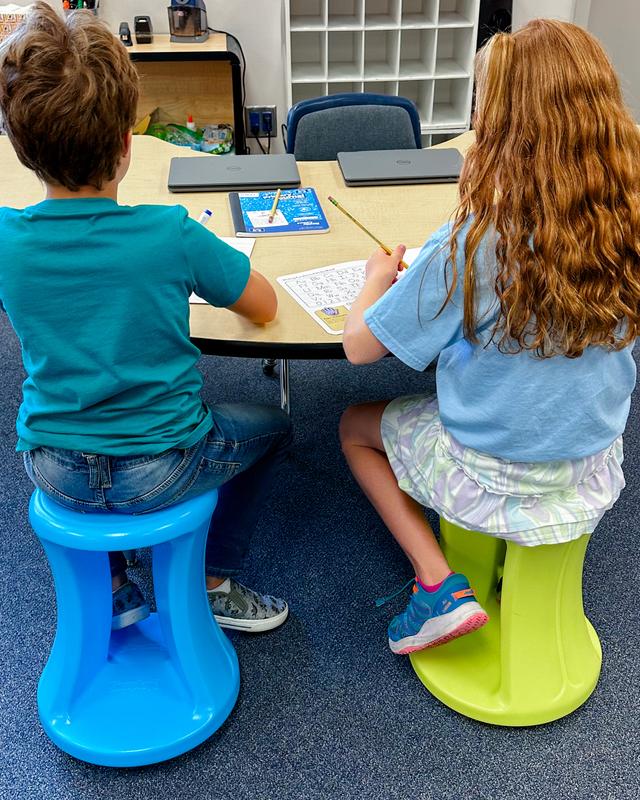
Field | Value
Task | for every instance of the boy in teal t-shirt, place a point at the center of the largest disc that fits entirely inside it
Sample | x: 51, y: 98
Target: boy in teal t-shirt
x: 98, y: 293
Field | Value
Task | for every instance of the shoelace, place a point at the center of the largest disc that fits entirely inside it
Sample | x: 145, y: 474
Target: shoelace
x: 382, y: 600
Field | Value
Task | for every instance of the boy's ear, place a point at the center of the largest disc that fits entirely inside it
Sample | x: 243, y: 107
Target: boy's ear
x: 127, y: 143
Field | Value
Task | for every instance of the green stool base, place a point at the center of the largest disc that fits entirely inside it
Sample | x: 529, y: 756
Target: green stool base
x: 538, y: 658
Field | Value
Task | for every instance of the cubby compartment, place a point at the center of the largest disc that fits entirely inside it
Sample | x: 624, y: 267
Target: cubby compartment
x: 417, y: 53
x: 308, y: 14
x: 451, y: 102
x: 382, y: 13
x: 454, y: 54
x: 381, y: 54
x: 421, y: 49
x: 457, y: 13
x: 381, y: 87
x: 338, y: 87
x: 345, y: 55
x: 305, y: 91
x: 345, y: 14
x: 419, y: 13
x: 421, y: 93
x: 308, y: 56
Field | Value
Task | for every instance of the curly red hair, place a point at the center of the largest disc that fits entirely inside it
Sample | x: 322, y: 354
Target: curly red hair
x: 555, y: 173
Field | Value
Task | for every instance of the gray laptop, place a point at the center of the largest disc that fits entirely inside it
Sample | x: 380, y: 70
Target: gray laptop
x: 225, y: 173
x: 382, y: 167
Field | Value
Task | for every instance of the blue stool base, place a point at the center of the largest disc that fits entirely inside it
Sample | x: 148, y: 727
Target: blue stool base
x: 153, y: 690
x: 136, y: 710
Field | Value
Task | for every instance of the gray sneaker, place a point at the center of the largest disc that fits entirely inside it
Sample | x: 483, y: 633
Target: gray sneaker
x: 242, y: 609
x: 128, y: 606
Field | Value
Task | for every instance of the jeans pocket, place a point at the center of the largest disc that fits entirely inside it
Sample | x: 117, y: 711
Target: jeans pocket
x: 140, y: 482
x: 219, y: 471
x: 69, y: 486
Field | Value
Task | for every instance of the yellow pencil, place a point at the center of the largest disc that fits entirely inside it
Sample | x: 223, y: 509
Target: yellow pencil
x: 276, y: 200
x: 387, y: 250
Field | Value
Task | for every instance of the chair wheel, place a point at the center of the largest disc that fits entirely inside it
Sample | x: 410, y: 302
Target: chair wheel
x: 269, y: 367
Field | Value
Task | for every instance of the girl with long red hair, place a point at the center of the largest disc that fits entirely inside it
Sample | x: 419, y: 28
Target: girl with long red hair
x: 530, y: 300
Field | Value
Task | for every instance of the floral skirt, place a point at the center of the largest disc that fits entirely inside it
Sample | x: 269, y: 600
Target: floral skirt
x: 529, y: 503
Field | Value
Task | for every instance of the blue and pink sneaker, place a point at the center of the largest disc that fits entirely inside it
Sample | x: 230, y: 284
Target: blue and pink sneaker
x: 433, y: 618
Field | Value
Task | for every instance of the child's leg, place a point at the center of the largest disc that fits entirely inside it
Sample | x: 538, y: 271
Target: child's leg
x: 256, y: 440
x: 444, y: 606
x: 404, y: 517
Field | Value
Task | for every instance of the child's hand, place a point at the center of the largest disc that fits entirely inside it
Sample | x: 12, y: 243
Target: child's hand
x: 382, y: 268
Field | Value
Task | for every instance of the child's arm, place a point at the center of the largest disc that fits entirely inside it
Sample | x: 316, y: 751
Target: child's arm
x: 258, y: 302
x: 360, y: 345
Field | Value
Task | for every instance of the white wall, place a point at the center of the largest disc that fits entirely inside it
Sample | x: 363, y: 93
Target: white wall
x: 524, y: 10
x: 617, y: 25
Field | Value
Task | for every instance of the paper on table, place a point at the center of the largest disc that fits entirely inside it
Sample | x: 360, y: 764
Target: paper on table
x: 243, y: 245
x: 327, y: 293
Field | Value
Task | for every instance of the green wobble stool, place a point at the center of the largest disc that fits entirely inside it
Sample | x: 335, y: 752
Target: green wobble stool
x: 538, y: 658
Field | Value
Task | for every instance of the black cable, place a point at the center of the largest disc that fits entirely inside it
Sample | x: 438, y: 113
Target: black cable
x: 269, y: 144
x: 260, y: 145
x: 244, y: 63
x: 244, y: 72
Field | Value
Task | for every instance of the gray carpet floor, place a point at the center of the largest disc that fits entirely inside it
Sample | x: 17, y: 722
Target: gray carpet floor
x: 325, y: 710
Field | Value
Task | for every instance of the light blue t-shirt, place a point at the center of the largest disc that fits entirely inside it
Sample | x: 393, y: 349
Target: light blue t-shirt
x: 98, y: 294
x: 516, y: 406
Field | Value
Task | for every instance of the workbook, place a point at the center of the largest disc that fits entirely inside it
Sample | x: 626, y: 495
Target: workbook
x: 297, y: 211
x: 327, y: 293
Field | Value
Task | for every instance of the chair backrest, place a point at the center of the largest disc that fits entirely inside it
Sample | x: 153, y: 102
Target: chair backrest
x: 319, y: 128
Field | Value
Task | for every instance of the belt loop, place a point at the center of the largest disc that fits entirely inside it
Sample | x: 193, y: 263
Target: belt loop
x: 94, y: 473
x: 105, y: 472
x: 99, y: 471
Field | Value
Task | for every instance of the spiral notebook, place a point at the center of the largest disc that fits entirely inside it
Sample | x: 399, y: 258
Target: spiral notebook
x: 298, y: 211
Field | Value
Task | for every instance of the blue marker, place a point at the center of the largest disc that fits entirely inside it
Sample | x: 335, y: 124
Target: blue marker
x: 205, y: 217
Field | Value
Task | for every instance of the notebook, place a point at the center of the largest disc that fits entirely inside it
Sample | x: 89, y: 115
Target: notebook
x: 224, y: 173
x: 298, y: 211
x: 386, y: 167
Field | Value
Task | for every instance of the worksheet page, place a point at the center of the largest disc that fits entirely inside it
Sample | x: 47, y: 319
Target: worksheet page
x: 327, y: 293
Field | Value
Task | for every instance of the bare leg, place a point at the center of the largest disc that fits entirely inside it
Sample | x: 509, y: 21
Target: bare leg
x: 404, y: 517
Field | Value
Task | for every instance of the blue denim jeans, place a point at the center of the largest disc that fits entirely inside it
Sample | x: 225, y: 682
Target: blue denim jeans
x: 240, y: 456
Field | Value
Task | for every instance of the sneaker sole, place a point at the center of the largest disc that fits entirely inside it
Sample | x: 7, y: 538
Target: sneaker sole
x: 466, y: 619
x: 252, y: 625
x: 130, y: 617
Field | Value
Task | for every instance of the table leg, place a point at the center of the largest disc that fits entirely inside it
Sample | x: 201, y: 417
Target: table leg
x: 284, y: 385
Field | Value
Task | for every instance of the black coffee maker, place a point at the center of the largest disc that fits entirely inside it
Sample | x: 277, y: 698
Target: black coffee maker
x: 188, y: 21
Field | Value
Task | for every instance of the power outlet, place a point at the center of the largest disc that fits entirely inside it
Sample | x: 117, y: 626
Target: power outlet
x: 261, y: 121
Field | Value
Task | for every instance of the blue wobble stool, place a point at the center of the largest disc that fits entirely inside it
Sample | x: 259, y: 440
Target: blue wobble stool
x: 155, y: 689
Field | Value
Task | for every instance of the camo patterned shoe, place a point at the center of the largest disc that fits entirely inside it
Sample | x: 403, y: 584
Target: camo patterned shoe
x: 237, y: 607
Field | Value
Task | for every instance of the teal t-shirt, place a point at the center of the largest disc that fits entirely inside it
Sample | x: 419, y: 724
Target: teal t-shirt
x: 98, y: 294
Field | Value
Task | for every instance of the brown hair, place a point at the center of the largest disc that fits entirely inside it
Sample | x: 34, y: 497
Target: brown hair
x: 68, y: 96
x: 555, y: 172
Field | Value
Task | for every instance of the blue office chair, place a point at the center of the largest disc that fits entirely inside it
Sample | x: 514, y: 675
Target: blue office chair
x: 321, y: 127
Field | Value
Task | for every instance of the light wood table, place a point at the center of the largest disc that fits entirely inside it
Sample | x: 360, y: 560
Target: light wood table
x: 396, y: 214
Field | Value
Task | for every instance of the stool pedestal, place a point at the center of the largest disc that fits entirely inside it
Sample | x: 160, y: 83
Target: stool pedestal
x: 153, y: 690
x: 538, y: 658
